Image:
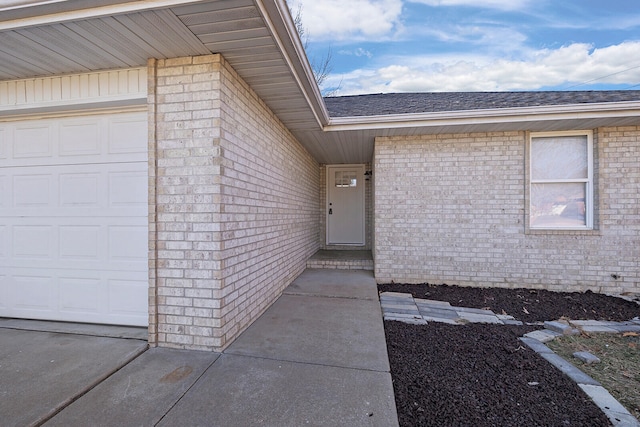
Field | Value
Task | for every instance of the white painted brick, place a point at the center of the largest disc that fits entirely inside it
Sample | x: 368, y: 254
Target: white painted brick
x: 234, y: 225
x: 451, y: 208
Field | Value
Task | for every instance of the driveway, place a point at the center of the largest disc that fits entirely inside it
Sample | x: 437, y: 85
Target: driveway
x: 317, y: 356
x: 44, y: 366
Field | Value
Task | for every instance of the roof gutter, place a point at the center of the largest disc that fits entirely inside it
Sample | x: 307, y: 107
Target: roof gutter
x: 288, y: 40
x: 488, y: 116
x: 38, y: 13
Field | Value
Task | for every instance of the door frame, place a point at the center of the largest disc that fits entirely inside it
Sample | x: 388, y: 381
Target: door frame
x: 361, y: 171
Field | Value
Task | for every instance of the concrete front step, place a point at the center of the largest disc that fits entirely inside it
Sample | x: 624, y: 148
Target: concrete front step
x: 341, y: 264
x: 341, y: 260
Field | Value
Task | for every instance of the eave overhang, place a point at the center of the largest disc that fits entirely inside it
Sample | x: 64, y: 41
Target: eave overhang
x: 352, y: 139
x: 257, y: 37
x: 259, y: 40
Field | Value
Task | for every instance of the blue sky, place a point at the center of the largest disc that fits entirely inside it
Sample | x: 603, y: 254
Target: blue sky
x: 382, y: 46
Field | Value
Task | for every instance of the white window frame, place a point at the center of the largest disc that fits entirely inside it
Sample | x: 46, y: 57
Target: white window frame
x: 589, y: 196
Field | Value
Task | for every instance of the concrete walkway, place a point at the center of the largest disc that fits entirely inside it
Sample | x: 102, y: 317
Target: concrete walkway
x: 317, y: 357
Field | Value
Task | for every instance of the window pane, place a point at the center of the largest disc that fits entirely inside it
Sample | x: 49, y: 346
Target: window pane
x: 558, y: 205
x: 346, y: 179
x: 559, y: 157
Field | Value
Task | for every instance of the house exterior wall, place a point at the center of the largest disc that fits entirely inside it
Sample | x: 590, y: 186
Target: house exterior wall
x: 452, y: 209
x: 233, y: 206
x: 368, y: 213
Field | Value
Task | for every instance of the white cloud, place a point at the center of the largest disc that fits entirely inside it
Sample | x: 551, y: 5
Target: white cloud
x: 359, y: 52
x: 496, y: 37
x: 347, y: 20
x: 569, y: 65
x: 486, y: 4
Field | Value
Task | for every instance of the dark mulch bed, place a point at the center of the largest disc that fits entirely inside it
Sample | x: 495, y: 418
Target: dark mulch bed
x: 482, y: 375
x: 479, y: 375
x: 527, y: 305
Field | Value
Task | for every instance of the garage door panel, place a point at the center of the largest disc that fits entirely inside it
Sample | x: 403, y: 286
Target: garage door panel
x: 80, y: 294
x: 93, y: 139
x: 123, y: 294
x: 127, y: 135
x: 80, y: 242
x: 32, y: 190
x: 3, y: 289
x: 74, y: 223
x: 79, y: 189
x: 3, y: 143
x: 28, y: 291
x: 4, y: 242
x: 34, y: 242
x: 127, y: 243
x: 128, y: 188
x: 5, y: 195
x: 34, y: 140
x: 80, y: 138
x: 111, y: 243
x: 76, y: 190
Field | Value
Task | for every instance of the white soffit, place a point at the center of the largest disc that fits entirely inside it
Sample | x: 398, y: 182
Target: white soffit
x: 257, y: 37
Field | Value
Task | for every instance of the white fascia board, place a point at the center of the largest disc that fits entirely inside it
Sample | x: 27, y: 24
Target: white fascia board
x: 93, y: 12
x: 21, y: 4
x: 489, y: 116
x: 114, y: 102
x: 294, y: 54
x: 116, y: 106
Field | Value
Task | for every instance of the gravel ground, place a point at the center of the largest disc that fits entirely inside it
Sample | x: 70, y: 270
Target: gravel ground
x: 482, y: 375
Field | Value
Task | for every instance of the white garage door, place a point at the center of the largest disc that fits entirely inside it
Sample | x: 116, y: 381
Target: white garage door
x: 73, y: 219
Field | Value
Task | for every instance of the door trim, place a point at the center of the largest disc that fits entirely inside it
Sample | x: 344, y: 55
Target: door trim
x: 361, y: 170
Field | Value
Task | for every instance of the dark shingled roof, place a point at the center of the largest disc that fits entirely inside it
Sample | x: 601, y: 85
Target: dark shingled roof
x: 410, y: 103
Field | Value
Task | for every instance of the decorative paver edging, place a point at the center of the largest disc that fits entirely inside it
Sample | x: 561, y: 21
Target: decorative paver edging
x: 404, y: 308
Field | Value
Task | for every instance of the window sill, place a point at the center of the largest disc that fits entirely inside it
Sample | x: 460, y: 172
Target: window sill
x: 563, y: 231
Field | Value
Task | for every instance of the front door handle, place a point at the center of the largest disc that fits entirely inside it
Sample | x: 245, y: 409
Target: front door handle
x: 330, y: 211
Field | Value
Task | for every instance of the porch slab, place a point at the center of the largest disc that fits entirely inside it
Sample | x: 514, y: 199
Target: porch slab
x: 357, y: 284
x: 249, y: 391
x: 338, y: 332
x: 42, y: 372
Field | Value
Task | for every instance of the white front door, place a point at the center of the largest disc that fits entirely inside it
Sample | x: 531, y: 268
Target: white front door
x: 345, y: 205
x: 73, y: 219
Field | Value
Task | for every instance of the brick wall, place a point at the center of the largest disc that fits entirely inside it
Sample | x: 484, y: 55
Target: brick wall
x: 451, y: 209
x: 270, y: 223
x: 235, y: 199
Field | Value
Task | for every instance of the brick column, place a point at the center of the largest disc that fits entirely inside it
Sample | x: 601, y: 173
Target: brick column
x: 186, y: 107
x: 235, y: 203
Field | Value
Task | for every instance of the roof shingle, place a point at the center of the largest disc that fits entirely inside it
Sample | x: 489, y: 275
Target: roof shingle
x: 431, y: 102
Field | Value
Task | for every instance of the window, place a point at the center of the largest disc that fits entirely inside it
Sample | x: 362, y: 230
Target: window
x: 561, y: 182
x: 346, y: 179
